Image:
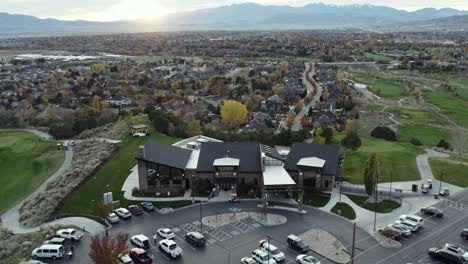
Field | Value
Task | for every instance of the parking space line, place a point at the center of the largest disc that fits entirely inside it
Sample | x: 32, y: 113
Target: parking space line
x: 188, y: 227
x: 241, y: 226
x: 218, y: 234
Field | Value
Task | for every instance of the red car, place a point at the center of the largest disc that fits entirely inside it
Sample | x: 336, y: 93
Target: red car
x: 139, y: 256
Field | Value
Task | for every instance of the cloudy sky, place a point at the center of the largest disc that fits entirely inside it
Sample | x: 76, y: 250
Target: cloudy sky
x: 109, y: 10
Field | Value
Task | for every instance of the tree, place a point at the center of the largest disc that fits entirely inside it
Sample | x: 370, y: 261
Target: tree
x: 277, y: 90
x: 96, y: 104
x: 290, y: 119
x: 327, y: 133
x: 460, y: 142
x: 98, y: 68
x: 351, y: 141
x: 370, y: 173
x: 233, y: 113
x: 104, y: 104
x: 443, y: 144
x: 193, y: 128
x: 103, y: 209
x: 384, y: 133
x: 105, y: 250
x: 298, y: 107
x: 349, y: 128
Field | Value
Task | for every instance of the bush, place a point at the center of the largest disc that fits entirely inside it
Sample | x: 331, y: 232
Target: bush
x: 443, y: 144
x: 351, y: 141
x: 384, y: 133
x: 415, y: 142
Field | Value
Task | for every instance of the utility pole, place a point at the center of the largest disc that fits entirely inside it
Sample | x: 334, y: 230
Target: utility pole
x: 376, y: 195
x: 354, y: 241
x: 201, y: 222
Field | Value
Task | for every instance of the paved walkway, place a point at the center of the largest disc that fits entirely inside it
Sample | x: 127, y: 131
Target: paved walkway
x: 10, y: 219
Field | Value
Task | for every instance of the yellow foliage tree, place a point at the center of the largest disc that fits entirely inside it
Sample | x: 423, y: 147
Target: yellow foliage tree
x: 104, y: 104
x: 277, y: 90
x: 98, y: 68
x: 349, y: 128
x: 96, y: 104
x: 233, y: 113
x: 290, y: 120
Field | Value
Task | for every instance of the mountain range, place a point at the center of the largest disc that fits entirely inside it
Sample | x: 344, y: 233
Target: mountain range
x: 247, y: 16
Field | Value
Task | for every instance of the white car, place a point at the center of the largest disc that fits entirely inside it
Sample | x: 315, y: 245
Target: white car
x: 125, y: 259
x: 261, y: 257
x: 305, y: 259
x: 140, y: 241
x: 410, y: 224
x: 170, y: 247
x: 69, y: 233
x: 247, y: 260
x: 275, y: 253
x: 413, y: 218
x: 457, y: 249
x: 113, y: 218
x: 166, y: 233
x: 405, y: 230
x: 123, y: 213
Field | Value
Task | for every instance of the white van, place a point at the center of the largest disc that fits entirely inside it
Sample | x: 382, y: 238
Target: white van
x: 414, y: 218
x: 48, y: 251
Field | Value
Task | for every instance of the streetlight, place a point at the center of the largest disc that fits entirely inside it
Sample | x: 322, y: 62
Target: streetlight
x: 268, y: 250
x: 201, y: 218
x: 376, y: 195
x: 440, y: 182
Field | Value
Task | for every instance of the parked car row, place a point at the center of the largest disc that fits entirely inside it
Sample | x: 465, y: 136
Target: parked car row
x: 403, y: 227
x: 54, y: 248
x: 270, y: 254
x: 126, y: 213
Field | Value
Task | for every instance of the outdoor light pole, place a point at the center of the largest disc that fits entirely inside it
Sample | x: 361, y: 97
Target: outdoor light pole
x: 440, y: 182
x: 268, y: 237
x: 201, y: 220
x: 376, y: 195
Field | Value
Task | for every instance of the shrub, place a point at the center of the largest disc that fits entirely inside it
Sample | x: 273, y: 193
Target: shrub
x: 443, y: 144
x: 384, y: 133
x: 415, y: 142
x: 351, y: 141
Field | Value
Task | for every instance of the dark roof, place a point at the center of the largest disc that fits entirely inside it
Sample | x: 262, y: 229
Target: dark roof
x: 330, y: 153
x: 271, y: 152
x: 165, y: 154
x: 248, y: 154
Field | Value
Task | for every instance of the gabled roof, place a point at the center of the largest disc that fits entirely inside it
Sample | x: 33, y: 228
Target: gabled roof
x: 330, y: 153
x: 248, y: 154
x: 165, y: 154
x: 227, y: 161
x: 271, y: 152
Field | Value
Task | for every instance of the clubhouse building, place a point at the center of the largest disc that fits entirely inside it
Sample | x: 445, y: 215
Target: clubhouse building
x: 240, y: 167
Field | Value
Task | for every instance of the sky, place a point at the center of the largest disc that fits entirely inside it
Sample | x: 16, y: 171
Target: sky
x: 111, y: 10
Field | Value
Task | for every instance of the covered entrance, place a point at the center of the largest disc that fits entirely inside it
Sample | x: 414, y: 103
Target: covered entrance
x: 278, y: 182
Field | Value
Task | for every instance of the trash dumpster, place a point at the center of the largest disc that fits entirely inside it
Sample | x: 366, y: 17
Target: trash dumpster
x: 436, y: 196
x: 415, y: 188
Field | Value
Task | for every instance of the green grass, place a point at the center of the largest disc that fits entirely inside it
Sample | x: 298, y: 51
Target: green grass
x: 375, y: 107
x: 25, y: 163
x: 346, y: 210
x: 454, y: 107
x: 455, y: 173
x: 377, y: 57
x: 417, y: 115
x: 385, y: 206
x: 395, y: 156
x: 386, y: 87
x: 316, y: 200
x: 428, y: 135
x: 111, y: 177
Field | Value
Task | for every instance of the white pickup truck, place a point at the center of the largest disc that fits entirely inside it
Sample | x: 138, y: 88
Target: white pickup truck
x: 69, y: 233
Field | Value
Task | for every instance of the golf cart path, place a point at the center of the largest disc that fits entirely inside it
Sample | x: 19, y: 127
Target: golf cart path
x: 10, y: 219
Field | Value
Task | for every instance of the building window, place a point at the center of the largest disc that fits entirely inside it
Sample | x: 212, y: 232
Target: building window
x: 242, y: 180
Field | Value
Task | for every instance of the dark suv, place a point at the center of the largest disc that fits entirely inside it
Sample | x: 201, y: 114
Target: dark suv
x: 297, y: 244
x: 464, y: 233
x: 195, y: 238
x: 446, y: 255
x: 135, y: 209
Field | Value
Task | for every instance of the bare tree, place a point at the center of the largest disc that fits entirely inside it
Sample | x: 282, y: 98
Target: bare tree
x: 460, y: 140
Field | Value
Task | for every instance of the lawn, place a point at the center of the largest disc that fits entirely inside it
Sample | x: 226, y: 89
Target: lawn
x: 455, y: 173
x: 25, y: 163
x: 454, y: 107
x: 316, y: 200
x: 111, y: 177
x: 384, y: 86
x: 346, y: 210
x: 375, y: 107
x: 385, y: 206
x: 417, y: 115
x: 395, y: 156
x: 377, y: 57
x: 428, y: 135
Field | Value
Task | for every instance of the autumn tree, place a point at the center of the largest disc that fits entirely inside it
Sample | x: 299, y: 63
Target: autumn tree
x: 371, y: 172
x: 103, y: 209
x: 193, y: 128
x: 290, y: 119
x: 96, y: 104
x: 349, y: 127
x: 277, y: 90
x: 298, y: 107
x: 105, y: 250
x: 460, y: 140
x: 98, y: 68
x: 233, y: 113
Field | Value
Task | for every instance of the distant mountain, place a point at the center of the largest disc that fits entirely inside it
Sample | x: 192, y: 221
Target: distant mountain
x: 246, y: 16
x: 453, y: 23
